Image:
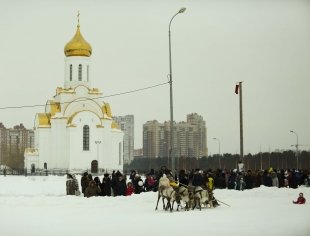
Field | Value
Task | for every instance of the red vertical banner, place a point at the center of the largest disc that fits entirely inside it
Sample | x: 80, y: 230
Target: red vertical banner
x: 237, y: 89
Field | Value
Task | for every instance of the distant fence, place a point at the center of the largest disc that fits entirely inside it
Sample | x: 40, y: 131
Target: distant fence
x: 37, y: 172
x: 44, y: 172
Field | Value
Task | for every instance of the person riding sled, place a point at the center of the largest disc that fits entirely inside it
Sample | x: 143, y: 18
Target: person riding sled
x: 300, y: 199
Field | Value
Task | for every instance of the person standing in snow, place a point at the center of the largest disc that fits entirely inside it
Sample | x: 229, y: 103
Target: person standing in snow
x: 275, y: 180
x: 120, y: 189
x: 84, y: 182
x: 92, y: 189
x: 75, y: 185
x: 130, y: 190
x: 138, y: 184
x: 70, y: 189
x: 106, y: 185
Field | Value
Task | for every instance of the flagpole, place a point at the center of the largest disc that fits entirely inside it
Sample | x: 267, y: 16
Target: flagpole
x: 241, y: 122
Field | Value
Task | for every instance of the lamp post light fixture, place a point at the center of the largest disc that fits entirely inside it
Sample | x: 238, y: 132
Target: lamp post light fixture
x: 292, y: 131
x: 219, y: 151
x: 171, y: 97
x: 98, y: 143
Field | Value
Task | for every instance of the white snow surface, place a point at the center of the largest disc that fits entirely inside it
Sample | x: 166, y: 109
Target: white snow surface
x: 39, y: 206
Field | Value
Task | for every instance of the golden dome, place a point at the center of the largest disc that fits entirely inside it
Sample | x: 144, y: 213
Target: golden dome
x: 78, y: 46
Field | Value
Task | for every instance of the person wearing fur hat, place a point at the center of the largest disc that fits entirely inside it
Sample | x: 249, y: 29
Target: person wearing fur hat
x: 92, y: 189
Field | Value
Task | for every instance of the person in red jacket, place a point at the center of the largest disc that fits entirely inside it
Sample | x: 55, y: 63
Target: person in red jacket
x: 300, y: 199
x: 129, y: 190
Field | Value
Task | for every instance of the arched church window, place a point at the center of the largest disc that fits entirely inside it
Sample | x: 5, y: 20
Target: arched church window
x: 71, y: 72
x: 80, y: 72
x: 85, y: 138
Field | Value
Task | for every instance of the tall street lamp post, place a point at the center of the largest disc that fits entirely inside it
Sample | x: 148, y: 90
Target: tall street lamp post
x: 296, y: 147
x: 219, y: 151
x: 171, y: 98
x: 98, y: 144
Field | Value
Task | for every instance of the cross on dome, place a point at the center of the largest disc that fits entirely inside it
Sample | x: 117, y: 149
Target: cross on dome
x: 78, y: 46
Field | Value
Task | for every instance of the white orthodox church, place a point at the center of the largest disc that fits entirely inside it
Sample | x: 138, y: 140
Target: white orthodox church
x: 76, y: 132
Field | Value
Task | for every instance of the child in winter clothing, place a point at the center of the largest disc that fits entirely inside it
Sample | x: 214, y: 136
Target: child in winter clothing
x: 300, y: 199
x: 129, y: 190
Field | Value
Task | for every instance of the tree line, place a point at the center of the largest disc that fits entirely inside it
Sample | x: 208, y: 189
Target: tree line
x: 259, y: 161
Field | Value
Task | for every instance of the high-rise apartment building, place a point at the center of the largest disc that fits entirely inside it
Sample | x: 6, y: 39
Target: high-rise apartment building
x: 13, y: 142
x: 190, y: 138
x: 126, y: 124
x: 3, y: 143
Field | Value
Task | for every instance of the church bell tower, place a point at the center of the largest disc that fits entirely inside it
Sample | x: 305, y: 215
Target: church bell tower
x: 77, y: 61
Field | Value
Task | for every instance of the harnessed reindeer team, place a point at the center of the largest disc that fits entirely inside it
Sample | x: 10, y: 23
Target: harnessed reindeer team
x: 192, y: 197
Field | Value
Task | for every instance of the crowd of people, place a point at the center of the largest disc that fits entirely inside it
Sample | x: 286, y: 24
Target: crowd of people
x: 117, y: 184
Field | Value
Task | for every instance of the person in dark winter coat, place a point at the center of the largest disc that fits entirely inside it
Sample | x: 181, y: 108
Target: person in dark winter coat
x: 300, y: 199
x: 138, y: 184
x: 84, y: 182
x: 106, y: 185
x: 132, y: 175
x: 197, y: 178
x: 98, y: 183
x: 248, y: 179
x: 120, y: 187
x: 232, y: 180
x: 97, y: 180
x: 92, y: 189
x: 183, y: 178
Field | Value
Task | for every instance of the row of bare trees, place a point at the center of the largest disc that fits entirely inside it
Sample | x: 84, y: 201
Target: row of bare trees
x: 259, y: 161
x: 12, y: 156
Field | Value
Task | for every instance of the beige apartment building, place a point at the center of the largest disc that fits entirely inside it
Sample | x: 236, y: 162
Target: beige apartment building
x: 190, y: 138
x: 13, y: 142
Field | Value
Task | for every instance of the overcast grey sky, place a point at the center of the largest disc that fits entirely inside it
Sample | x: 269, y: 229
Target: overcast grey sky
x: 264, y: 43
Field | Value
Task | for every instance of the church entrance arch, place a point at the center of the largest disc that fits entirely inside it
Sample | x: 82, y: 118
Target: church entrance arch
x: 94, y: 166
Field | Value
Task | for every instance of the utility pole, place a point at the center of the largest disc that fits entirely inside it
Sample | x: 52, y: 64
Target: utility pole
x: 238, y: 90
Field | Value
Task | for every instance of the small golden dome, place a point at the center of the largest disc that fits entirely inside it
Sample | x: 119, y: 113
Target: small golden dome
x: 78, y: 46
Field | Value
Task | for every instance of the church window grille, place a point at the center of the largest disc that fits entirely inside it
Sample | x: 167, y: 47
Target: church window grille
x: 80, y: 72
x: 70, y: 72
x: 87, y: 72
x: 120, y: 153
x: 86, y: 138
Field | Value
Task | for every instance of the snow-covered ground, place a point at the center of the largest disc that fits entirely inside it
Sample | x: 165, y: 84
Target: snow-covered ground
x: 37, y: 206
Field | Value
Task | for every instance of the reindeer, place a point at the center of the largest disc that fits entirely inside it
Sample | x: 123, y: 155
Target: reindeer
x: 201, y: 196
x: 165, y: 191
x: 185, y: 196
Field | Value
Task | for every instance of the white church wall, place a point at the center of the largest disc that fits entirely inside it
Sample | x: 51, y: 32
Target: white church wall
x: 82, y: 158
x: 83, y: 104
x: 43, y: 136
x: 58, y: 144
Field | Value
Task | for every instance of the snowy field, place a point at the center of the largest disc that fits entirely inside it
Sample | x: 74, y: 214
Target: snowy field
x: 38, y: 206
